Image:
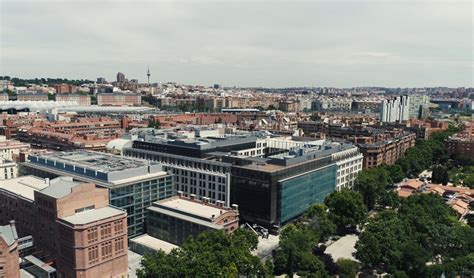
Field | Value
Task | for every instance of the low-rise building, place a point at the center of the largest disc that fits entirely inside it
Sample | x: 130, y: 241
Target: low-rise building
x: 8, y: 169
x: 176, y: 218
x: 32, y: 97
x: 119, y: 99
x: 80, y: 99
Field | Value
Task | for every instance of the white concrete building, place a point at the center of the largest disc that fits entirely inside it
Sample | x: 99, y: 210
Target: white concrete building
x: 348, y: 168
x: 395, y: 110
x: 8, y: 170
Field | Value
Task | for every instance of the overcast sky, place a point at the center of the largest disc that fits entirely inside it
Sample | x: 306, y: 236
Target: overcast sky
x: 264, y: 43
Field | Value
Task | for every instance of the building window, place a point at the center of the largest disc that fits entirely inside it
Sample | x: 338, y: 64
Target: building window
x: 92, y: 235
x: 106, y: 250
x: 119, y: 246
x: 105, y: 231
x: 93, y: 253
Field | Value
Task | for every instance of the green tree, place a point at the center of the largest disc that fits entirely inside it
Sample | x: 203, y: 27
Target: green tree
x: 440, y: 175
x: 379, y: 244
x: 346, y: 209
x: 318, y: 220
x: 210, y: 254
x: 371, y: 184
x: 347, y: 268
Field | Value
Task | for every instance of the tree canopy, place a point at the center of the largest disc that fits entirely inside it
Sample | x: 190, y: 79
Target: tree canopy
x: 346, y: 209
x: 210, y: 254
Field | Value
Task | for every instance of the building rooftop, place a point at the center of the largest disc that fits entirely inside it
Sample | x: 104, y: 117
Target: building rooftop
x: 8, y: 233
x: 60, y: 187
x: 154, y: 243
x: 95, y: 160
x: 191, y: 207
x: 93, y: 215
x: 24, y: 186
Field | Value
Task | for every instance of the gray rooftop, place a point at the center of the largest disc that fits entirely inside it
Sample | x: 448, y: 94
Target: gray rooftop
x: 93, y: 215
x: 96, y: 160
x: 60, y: 187
x: 8, y: 233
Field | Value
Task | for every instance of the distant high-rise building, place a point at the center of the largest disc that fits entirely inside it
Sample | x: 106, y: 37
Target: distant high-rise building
x: 101, y: 80
x: 419, y: 106
x: 395, y: 110
x: 120, y: 77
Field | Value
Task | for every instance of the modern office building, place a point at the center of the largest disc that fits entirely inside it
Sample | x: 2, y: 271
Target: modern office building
x: 218, y: 169
x: 184, y: 158
x: 274, y: 190
x: 9, y: 260
x: 132, y: 184
x: 396, y: 109
x: 175, y: 219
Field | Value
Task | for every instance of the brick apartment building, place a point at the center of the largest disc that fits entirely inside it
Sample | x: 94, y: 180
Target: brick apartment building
x: 461, y: 144
x: 195, y: 119
x: 387, y: 152
x: 82, y: 100
x: 9, y: 261
x: 73, y: 223
x: 79, y: 133
x: 65, y: 88
x: 9, y: 124
x: 32, y: 97
x: 119, y: 99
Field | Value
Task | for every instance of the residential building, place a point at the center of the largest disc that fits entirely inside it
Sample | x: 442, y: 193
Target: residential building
x: 385, y: 152
x: 396, y: 109
x: 176, y: 218
x: 132, y: 184
x: 9, y: 260
x: 461, y: 144
x: 3, y: 97
x: 77, y: 133
x: 119, y: 99
x: 10, y: 149
x: 65, y: 89
x: 32, y: 97
x: 8, y: 169
x: 80, y: 99
x: 120, y: 77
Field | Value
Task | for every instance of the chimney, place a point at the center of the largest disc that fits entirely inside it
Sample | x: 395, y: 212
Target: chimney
x: 235, y: 207
x: 46, y: 181
x: 180, y: 193
x: 192, y: 196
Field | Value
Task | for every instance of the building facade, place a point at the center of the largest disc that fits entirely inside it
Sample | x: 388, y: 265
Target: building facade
x: 83, y: 100
x: 132, y: 184
x: 9, y: 260
x: 175, y: 219
x: 118, y: 99
x: 396, y: 109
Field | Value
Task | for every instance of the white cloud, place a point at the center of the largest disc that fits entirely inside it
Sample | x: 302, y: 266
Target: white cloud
x: 265, y: 43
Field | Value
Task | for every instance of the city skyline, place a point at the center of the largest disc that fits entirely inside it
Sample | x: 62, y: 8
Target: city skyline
x: 278, y: 44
